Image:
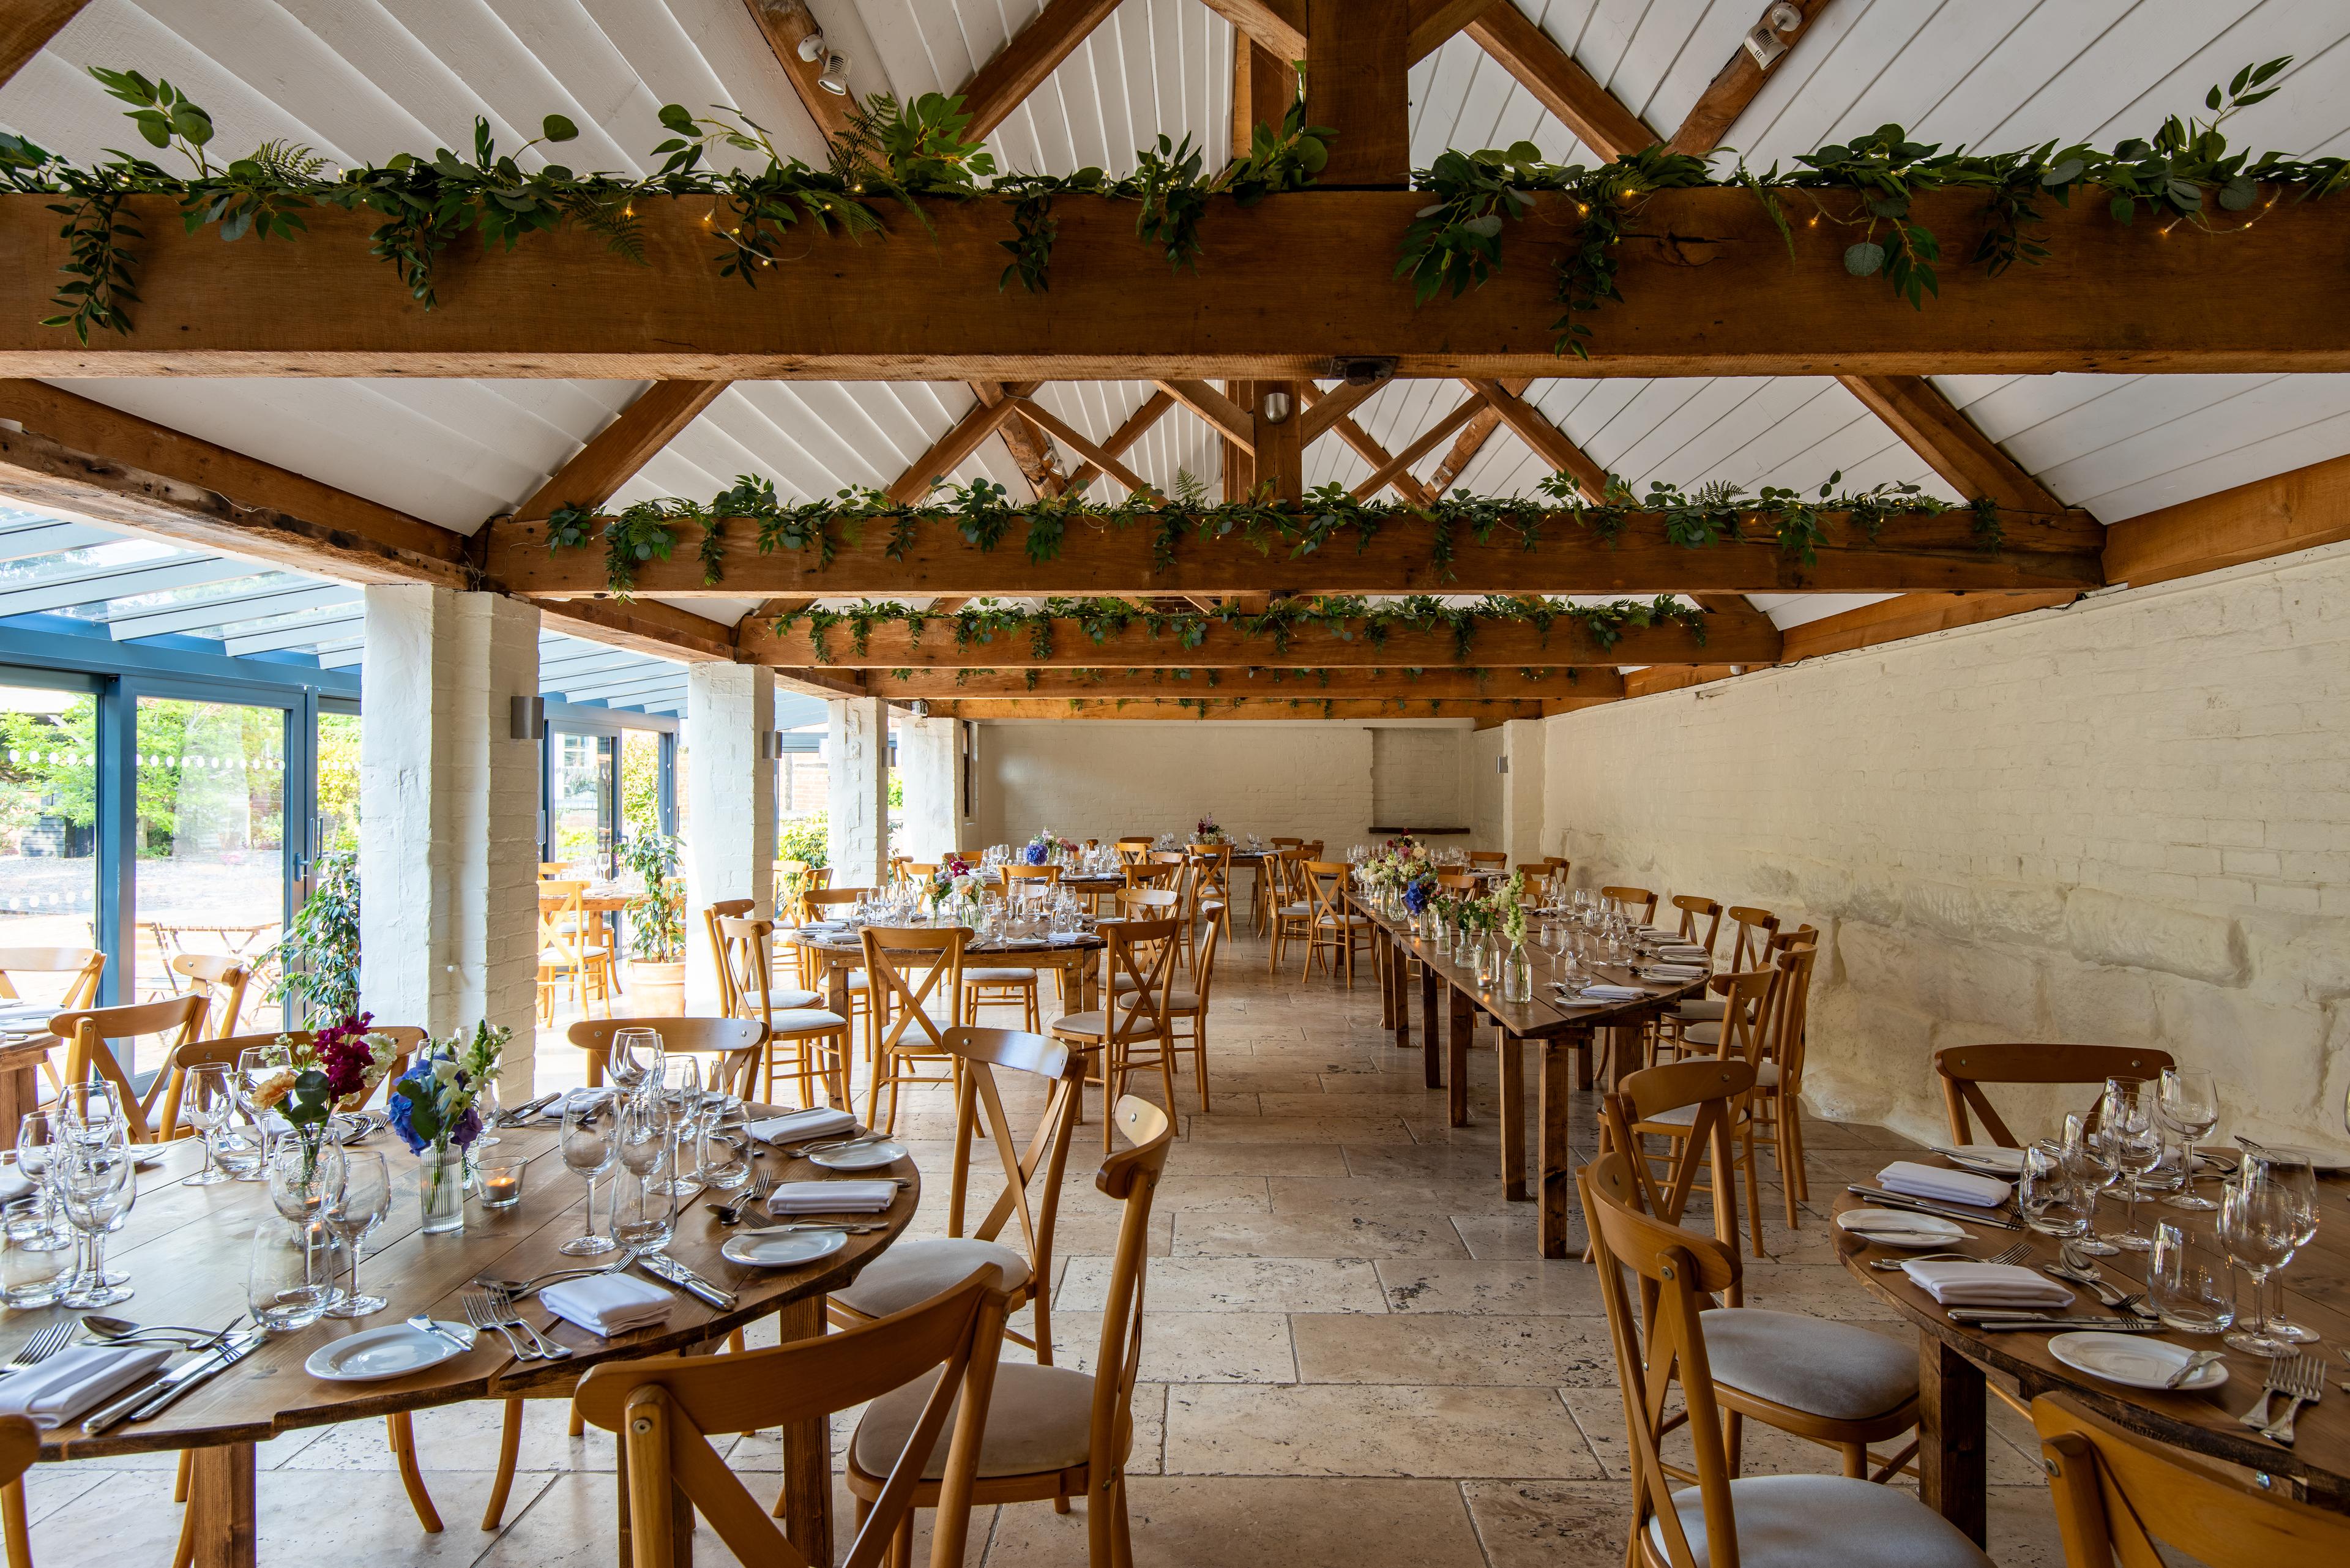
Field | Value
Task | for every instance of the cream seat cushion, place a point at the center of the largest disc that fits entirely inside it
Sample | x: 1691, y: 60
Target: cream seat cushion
x: 1708, y: 1012
x: 1296, y: 911
x: 1839, y: 1370
x: 807, y: 1020
x: 1823, y: 1521
x: 1006, y: 976
x: 1090, y: 1023
x: 1178, y: 997
x: 1703, y: 1033
x: 914, y: 1271
x: 787, y: 999
x: 1037, y: 1421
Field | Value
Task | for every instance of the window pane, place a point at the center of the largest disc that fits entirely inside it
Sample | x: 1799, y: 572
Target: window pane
x: 640, y: 782
x: 582, y: 796
x: 211, y: 837
x: 48, y: 820
x: 338, y: 784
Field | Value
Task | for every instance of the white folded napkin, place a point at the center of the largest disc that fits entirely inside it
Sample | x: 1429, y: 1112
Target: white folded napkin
x: 1987, y: 1284
x: 1990, y: 1156
x: 794, y: 1124
x: 553, y: 1109
x: 832, y: 1197
x: 73, y: 1382
x: 608, y: 1304
x: 1610, y: 993
x: 1659, y: 931
x: 1912, y: 1179
x: 1676, y: 971
x: 1681, y: 951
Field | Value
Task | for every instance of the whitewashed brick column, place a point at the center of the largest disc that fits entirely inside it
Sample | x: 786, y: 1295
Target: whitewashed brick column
x: 857, y: 750
x: 729, y: 807
x: 1523, y: 742
x: 931, y: 764
x: 449, y: 815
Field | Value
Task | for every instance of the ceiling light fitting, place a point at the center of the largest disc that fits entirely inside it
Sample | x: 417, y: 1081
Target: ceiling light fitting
x: 1763, y: 44
x: 1276, y: 408
x: 833, y: 78
x: 812, y: 47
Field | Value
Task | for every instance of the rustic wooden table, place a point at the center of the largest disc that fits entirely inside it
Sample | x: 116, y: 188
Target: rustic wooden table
x: 1556, y: 1028
x: 1952, y: 1359
x: 186, y: 1249
x: 1073, y: 957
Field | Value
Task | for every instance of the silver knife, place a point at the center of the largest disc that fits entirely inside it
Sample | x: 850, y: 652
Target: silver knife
x: 663, y: 1267
x: 154, y: 1398
x: 1924, y: 1206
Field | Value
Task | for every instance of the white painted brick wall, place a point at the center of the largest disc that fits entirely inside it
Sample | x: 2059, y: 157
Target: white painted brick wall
x: 1420, y: 777
x: 730, y: 839
x: 856, y: 748
x: 929, y: 765
x: 2125, y: 822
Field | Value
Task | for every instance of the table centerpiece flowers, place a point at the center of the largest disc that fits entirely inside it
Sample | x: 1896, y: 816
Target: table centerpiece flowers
x: 1207, y: 830
x: 1517, y: 969
x: 334, y: 1068
x: 433, y: 1108
x: 954, y: 880
x: 1046, y: 847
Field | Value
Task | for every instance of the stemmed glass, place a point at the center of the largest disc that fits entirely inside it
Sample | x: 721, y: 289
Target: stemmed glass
x: 2298, y: 1178
x: 673, y: 1101
x: 635, y: 1057
x: 359, y: 1208
x: 97, y: 1185
x: 208, y: 1098
x: 2257, y: 1227
x: 2134, y: 1132
x: 644, y: 1205
x: 2091, y: 1157
x: 2189, y: 1106
x: 589, y: 1146
x: 304, y: 1185
x: 37, y: 1141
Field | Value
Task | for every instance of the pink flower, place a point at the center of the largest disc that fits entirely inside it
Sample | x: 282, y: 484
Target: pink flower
x: 345, y: 1055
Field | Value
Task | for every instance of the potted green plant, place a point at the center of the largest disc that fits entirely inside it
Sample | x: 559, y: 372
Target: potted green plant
x: 656, y: 928
x: 319, y: 958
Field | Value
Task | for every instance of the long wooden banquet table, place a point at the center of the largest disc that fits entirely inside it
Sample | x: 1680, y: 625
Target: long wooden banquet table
x: 1451, y: 991
x: 839, y: 952
x: 186, y: 1249
x: 1953, y: 1442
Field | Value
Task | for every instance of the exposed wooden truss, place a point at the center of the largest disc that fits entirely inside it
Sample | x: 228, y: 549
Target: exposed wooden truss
x: 614, y: 455
x: 1031, y: 451
x: 1154, y: 408
x: 1021, y: 66
x: 1291, y: 709
x: 1558, y: 83
x: 1366, y: 446
x: 1909, y: 615
x: 1971, y: 461
x: 2274, y: 516
x: 784, y: 22
x: 1734, y: 86
x: 1587, y: 684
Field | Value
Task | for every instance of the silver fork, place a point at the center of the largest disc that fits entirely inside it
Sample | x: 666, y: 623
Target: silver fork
x: 2271, y: 1386
x: 2014, y: 1254
x: 41, y: 1346
x: 761, y: 1185
x: 482, y: 1314
x: 510, y: 1316
x: 2304, y: 1384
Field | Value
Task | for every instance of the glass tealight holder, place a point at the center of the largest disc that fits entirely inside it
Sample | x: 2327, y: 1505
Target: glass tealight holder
x: 500, y: 1183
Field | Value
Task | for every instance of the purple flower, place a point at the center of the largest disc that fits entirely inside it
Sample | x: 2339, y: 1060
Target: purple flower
x: 1035, y: 854
x: 468, y: 1128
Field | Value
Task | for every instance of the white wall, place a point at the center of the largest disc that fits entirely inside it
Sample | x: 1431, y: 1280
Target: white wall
x: 1314, y: 779
x: 2125, y: 822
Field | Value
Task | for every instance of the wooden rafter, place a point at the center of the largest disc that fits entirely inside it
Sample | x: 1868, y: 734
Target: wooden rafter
x: 1356, y: 62
x: 1367, y: 447
x: 1225, y: 416
x: 1550, y: 443
x: 1558, y: 83
x: 1224, y: 682
x: 1031, y: 451
x: 1971, y: 461
x: 1434, y: 21
x: 784, y: 22
x: 1327, y: 408
x: 1032, y: 54
x: 1278, y: 25
x: 950, y: 449
x: 2264, y: 298
x: 27, y: 27
x: 1734, y: 86
x: 1428, y: 441
x: 1212, y: 708
x: 643, y: 626
x: 614, y: 455
x: 1137, y: 424
x: 1085, y: 446
x: 1907, y: 616
x: 1473, y: 439
x: 2274, y: 516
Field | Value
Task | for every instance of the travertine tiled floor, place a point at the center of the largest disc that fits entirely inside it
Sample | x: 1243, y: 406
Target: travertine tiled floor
x: 1353, y: 1354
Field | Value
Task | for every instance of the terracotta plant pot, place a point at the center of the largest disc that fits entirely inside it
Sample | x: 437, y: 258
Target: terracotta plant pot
x: 656, y: 990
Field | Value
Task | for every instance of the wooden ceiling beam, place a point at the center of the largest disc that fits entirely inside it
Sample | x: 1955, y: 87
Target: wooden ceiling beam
x: 1136, y: 426
x: 1227, y: 418
x: 1369, y: 449
x: 616, y: 453
x: 1907, y: 616
x: 784, y: 23
x: 1324, y: 409
x: 1558, y: 83
x: 1735, y: 85
x: 1550, y: 443
x: 1356, y: 83
x: 1400, y: 463
x: 1292, y: 710
x: 1969, y: 460
x: 1435, y: 21
x: 1501, y: 644
x: 977, y: 684
x: 2111, y: 299
x: 641, y: 626
x: 27, y: 27
x: 1473, y: 439
x: 1277, y: 25
x: 1099, y: 456
x: 1029, y: 56
x: 2300, y: 510
x: 949, y: 451
x: 1030, y: 451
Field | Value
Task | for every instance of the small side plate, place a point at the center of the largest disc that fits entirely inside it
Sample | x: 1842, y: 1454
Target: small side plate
x: 1898, y: 1228
x: 867, y: 1155
x: 755, y: 1249
x: 2133, y: 1361
x: 375, y: 1355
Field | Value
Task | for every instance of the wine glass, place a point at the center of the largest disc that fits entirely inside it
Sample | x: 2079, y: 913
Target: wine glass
x: 96, y: 1184
x: 356, y: 1208
x: 38, y: 1137
x: 2133, y: 1130
x: 674, y: 1105
x: 635, y: 1057
x: 644, y: 1204
x: 2188, y: 1103
x: 2257, y: 1227
x: 304, y: 1179
x: 208, y: 1098
x: 2090, y: 1157
x: 2298, y: 1177
x: 591, y: 1144
x: 89, y: 1107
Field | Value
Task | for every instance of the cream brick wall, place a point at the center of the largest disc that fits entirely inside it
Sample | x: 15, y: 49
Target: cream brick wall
x: 1422, y: 776
x: 2124, y: 822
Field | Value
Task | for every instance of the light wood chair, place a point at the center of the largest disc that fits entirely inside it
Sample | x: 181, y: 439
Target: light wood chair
x: 20, y: 1445
x: 1493, y: 857
x: 1027, y: 884
x: 1750, y: 948
x: 2121, y: 1499
x: 748, y: 990
x: 89, y: 1035
x: 1188, y: 1005
x: 1333, y: 929
x: 904, y: 989
x: 1774, y: 1046
x: 1823, y: 1521
x: 1002, y: 985
x: 662, y: 1407
x: 817, y: 904
x: 910, y: 1270
x: 1143, y: 952
x: 221, y: 980
x: 734, y: 1044
x: 1670, y: 1108
x: 1695, y: 907
x: 1964, y: 1069
x: 810, y: 1044
x: 1132, y: 851
x: 1212, y: 877
x: 1053, y: 1434
x: 84, y: 966
x: 548, y: 870
x: 1638, y: 902
x: 1292, y: 906
x: 572, y: 951
x: 406, y: 1038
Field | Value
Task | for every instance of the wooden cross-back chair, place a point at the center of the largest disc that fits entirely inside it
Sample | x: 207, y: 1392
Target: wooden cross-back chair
x: 1695, y: 907
x: 84, y: 966
x: 904, y: 990
x: 1289, y: 915
x: 2120, y: 1498
x: 818, y: 904
x: 1212, y: 877
x: 1141, y: 953
x: 1334, y: 931
x: 1029, y: 883
x: 225, y: 1049
x: 1964, y: 1069
x: 912, y: 1271
x: 1750, y: 948
x: 745, y: 989
x: 20, y: 1445
x: 1488, y: 858
x: 89, y: 1035
x: 1053, y: 1434
x: 808, y: 1046
x: 1663, y: 1340
x: 221, y: 980
x: 1742, y: 1040
x: 733, y: 1042
x: 1133, y: 850
x: 571, y: 951
x: 662, y: 1410
x: 1638, y: 902
x: 1700, y: 1100
x: 1778, y: 1102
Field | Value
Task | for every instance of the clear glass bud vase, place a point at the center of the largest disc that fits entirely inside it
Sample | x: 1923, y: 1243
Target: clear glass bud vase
x: 1517, y: 975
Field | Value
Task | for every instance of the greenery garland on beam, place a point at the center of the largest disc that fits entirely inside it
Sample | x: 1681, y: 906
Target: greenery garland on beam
x: 910, y: 153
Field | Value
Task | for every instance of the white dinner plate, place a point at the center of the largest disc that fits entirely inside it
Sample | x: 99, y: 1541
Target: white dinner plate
x: 787, y: 1249
x: 2318, y: 1159
x: 1897, y: 1227
x: 373, y: 1354
x: 859, y: 1156
x: 1986, y: 1158
x: 2136, y: 1361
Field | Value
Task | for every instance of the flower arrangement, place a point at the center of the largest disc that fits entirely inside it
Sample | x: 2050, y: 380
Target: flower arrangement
x: 435, y: 1105
x: 1208, y: 831
x: 1045, y: 844
x: 337, y: 1066
x: 953, y: 876
x: 1508, y: 904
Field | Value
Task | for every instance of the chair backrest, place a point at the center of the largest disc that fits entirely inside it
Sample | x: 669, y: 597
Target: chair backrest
x: 909, y: 966
x: 86, y: 965
x: 1695, y: 907
x: 1130, y: 1178
x: 713, y: 914
x: 1285, y: 843
x: 1456, y: 881
x: 1488, y: 858
x: 1132, y: 851
x: 1144, y: 952
x: 562, y: 922
x: 407, y: 1039
x: 1023, y: 882
x: 86, y: 1033
x: 815, y: 899
x: 1679, y: 1271
x: 1755, y: 928
x: 1715, y: 1087
x: 746, y: 970
x: 548, y: 869
x: 1634, y: 900
x: 1325, y: 889
x: 667, y: 1404
x: 916, y: 871
x: 979, y: 1055
x: 1216, y: 855
x: 1204, y: 966
x: 735, y: 1041
x: 1150, y: 873
x: 1168, y: 858
x: 1148, y: 903
x: 2117, y: 1494
x: 224, y: 979
x: 1963, y: 1069
x: 1789, y: 1010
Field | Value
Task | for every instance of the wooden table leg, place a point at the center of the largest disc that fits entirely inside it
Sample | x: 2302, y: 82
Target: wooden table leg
x: 1952, y: 1470
x: 1514, y: 1117
x: 1383, y: 970
x: 1399, y: 990
x: 220, y: 1494
x: 1461, y: 1035
x: 1431, y: 1033
x: 807, y: 1450
x: 1557, y: 1162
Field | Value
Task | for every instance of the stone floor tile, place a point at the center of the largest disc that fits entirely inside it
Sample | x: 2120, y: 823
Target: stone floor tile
x: 1384, y: 1193
x: 1349, y: 1233
x: 1551, y: 1524
x: 1436, y: 1348
x: 1190, y: 1346
x: 1235, y: 1284
x: 1337, y: 1429
x: 1186, y: 1521
x: 462, y: 1437
x: 1335, y: 1129
x: 1251, y: 1159
x: 1505, y: 1286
